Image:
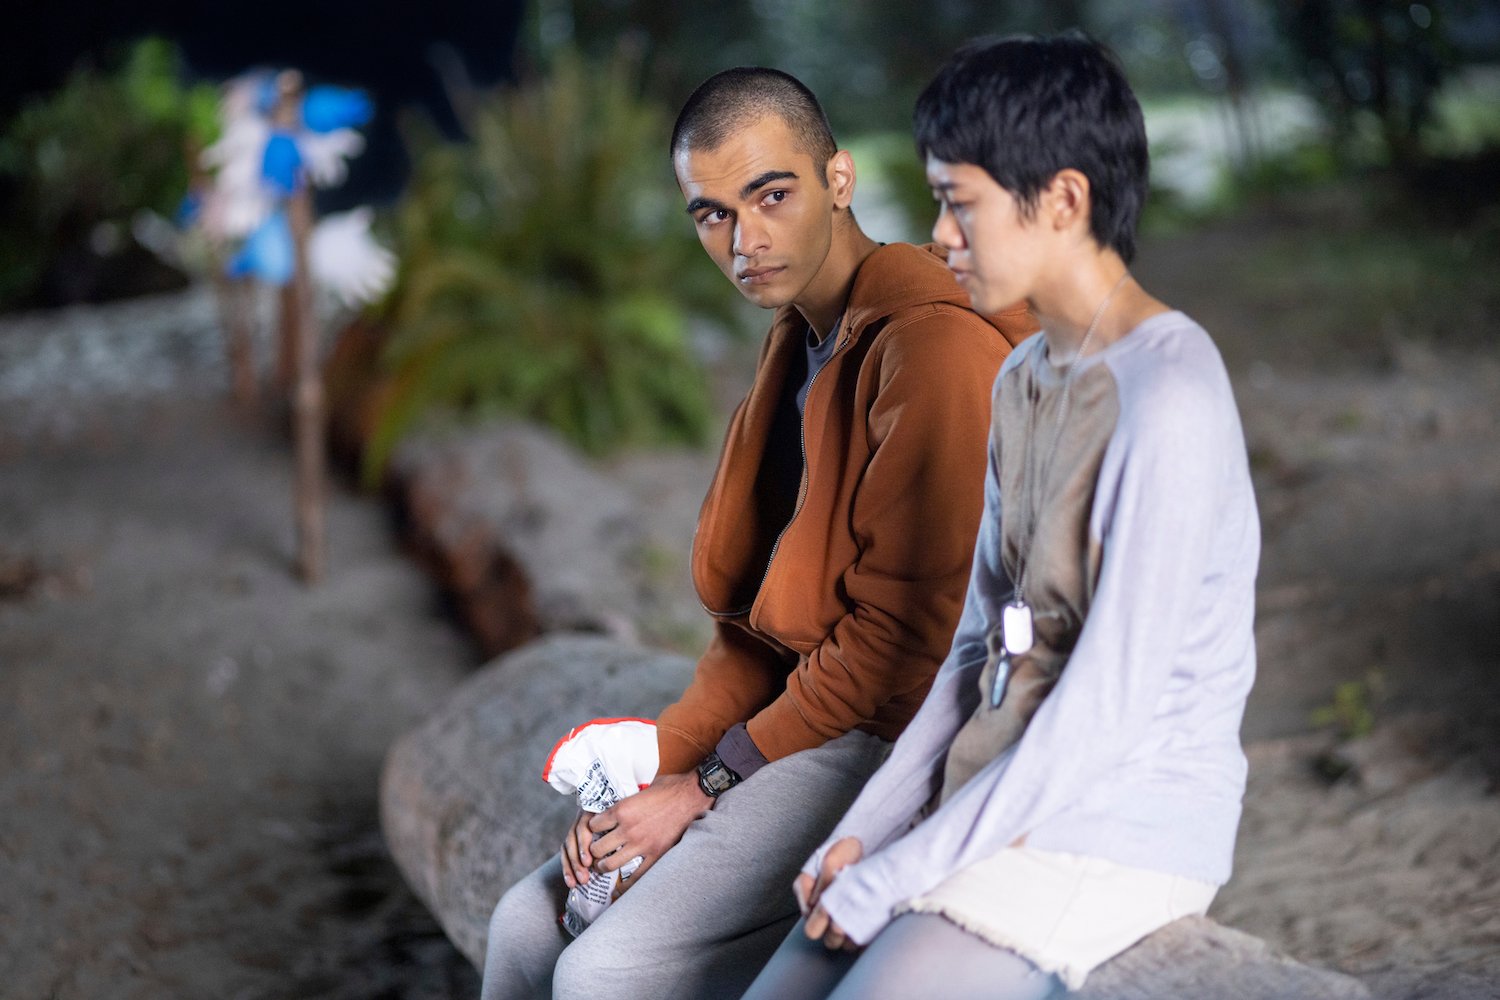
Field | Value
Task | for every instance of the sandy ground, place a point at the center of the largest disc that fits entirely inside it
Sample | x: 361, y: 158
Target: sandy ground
x: 1378, y: 481
x: 189, y: 740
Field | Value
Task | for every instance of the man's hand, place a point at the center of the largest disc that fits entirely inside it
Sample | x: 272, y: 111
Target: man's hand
x: 576, y: 857
x: 809, y: 891
x: 646, y: 824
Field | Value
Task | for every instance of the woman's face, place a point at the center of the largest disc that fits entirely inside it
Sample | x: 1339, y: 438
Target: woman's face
x: 995, y: 250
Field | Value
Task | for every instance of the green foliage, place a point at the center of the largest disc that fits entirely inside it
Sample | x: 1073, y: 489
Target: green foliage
x: 1380, y: 275
x: 1467, y: 115
x: 887, y: 163
x: 866, y: 60
x: 1384, y: 60
x: 1351, y: 713
x: 1300, y: 166
x: 79, y: 163
x: 548, y: 270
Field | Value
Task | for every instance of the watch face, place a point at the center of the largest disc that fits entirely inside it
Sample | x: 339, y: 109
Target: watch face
x: 715, y: 777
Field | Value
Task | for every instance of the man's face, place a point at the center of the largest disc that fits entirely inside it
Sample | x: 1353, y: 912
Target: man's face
x: 762, y: 210
x: 993, y: 249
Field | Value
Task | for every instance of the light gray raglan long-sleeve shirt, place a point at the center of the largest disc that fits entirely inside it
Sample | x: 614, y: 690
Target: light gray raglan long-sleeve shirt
x: 1119, y: 733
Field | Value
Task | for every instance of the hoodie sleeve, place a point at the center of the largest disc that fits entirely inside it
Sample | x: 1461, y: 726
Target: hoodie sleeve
x: 915, y: 513
x: 737, y: 675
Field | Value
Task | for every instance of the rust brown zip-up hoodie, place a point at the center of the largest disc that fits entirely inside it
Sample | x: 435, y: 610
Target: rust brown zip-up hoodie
x: 837, y: 618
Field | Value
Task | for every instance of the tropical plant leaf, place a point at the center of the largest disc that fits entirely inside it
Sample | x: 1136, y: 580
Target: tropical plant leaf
x: 546, y: 272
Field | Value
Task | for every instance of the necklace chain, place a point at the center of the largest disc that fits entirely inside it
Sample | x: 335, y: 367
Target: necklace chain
x: 1062, y: 418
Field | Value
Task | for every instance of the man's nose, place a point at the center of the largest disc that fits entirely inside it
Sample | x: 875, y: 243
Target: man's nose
x: 750, y: 235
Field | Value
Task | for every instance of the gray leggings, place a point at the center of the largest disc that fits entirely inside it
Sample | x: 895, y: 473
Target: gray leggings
x: 918, y: 955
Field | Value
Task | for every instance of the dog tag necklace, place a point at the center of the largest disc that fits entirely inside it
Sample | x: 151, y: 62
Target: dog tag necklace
x: 1017, y: 622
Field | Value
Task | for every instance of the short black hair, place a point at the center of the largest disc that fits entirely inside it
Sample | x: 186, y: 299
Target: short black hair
x: 1024, y: 108
x: 734, y: 98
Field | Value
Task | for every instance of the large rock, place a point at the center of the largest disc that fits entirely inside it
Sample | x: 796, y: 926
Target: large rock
x: 522, y: 533
x: 1198, y: 959
x: 356, y: 388
x: 462, y: 802
x: 466, y: 814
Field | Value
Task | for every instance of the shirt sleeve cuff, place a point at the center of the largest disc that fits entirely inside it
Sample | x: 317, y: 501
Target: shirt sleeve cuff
x: 739, y: 752
x: 859, y: 903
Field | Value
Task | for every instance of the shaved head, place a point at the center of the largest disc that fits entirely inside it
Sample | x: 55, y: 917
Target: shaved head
x: 730, y: 101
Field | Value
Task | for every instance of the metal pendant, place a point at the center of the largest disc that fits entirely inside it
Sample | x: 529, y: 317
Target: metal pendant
x: 1016, y: 628
x: 1002, y: 675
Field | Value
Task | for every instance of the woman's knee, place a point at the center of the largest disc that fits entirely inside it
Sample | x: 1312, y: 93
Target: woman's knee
x: 916, y: 951
x: 800, y: 969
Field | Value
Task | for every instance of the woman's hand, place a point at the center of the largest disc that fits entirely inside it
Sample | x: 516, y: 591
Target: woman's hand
x: 809, y: 891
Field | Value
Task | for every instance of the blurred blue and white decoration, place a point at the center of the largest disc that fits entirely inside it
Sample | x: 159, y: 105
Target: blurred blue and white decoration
x: 256, y: 165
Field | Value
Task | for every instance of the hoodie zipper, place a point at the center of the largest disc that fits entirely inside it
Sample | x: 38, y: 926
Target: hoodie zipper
x: 801, y: 490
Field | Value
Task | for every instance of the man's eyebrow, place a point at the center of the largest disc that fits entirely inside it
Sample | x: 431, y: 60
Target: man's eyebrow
x: 697, y: 204
x: 755, y: 184
x: 764, y: 179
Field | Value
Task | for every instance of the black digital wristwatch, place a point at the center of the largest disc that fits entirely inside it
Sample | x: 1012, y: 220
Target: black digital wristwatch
x: 715, y: 777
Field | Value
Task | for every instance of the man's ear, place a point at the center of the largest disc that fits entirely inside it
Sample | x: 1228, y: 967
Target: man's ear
x: 840, y: 175
x: 1065, y: 199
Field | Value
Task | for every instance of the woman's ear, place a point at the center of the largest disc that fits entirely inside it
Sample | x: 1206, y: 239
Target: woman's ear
x: 1065, y: 200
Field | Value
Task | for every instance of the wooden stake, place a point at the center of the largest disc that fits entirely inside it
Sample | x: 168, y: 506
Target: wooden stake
x: 307, y: 402
x: 234, y: 313
x: 286, y: 340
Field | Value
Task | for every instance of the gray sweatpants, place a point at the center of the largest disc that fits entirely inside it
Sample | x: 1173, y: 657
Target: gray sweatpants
x: 705, y: 918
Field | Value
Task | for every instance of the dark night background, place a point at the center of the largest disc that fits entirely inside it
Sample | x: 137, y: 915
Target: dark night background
x: 392, y: 48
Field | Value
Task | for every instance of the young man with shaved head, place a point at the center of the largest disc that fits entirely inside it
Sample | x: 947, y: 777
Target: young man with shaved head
x: 832, y: 552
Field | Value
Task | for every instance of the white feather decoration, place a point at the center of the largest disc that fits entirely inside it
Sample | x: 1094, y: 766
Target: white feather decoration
x: 346, y: 260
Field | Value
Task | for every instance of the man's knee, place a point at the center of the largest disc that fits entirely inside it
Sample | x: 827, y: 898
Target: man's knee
x: 524, y: 938
x: 522, y: 906
x: 588, y: 967
x: 507, y: 914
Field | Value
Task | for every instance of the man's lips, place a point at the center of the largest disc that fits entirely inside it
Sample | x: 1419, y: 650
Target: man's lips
x: 757, y: 275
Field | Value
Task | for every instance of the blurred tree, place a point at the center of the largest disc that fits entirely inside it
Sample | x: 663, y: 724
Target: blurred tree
x: 1224, y: 20
x: 865, y: 59
x: 76, y: 167
x: 1383, y: 58
x: 547, y: 269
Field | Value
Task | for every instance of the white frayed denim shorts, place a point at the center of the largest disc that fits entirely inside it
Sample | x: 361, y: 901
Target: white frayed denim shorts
x: 1067, y: 914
